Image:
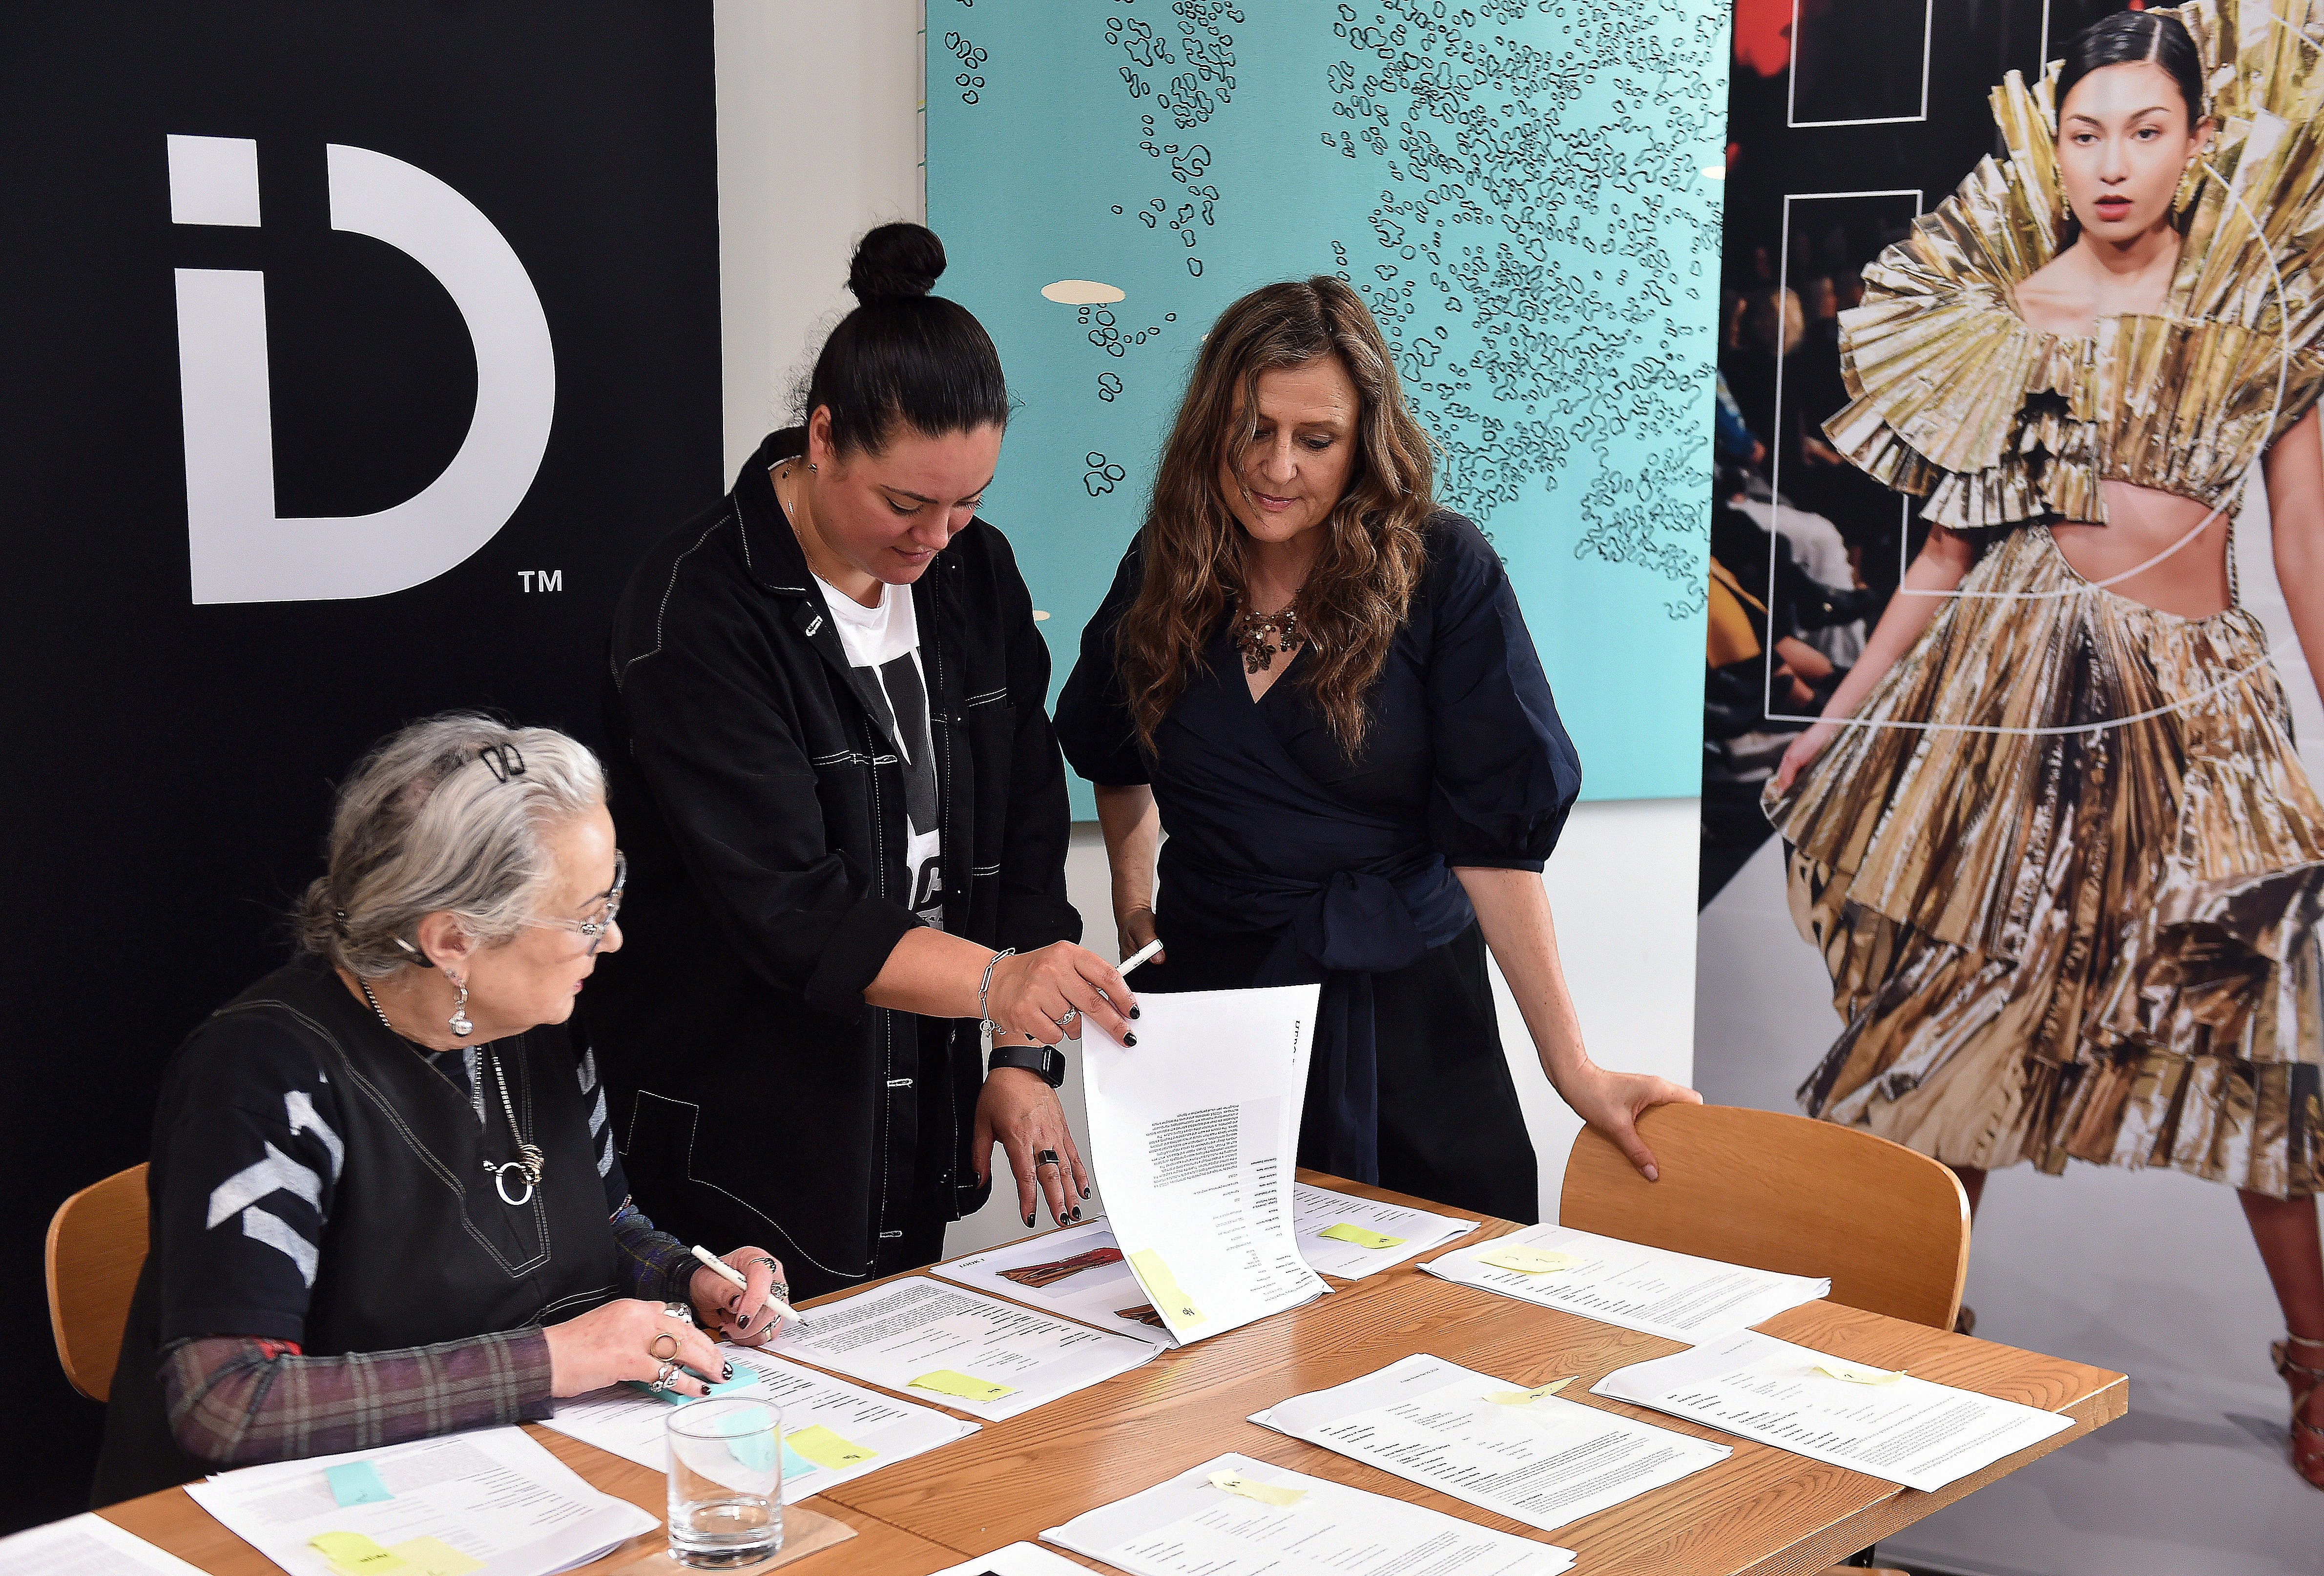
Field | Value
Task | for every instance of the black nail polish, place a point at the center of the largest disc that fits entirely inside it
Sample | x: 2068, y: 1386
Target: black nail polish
x: 1077, y: 1211
x: 1133, y: 1012
x: 1130, y: 1039
x: 1085, y: 1192
x: 727, y: 1373
x: 1029, y: 1219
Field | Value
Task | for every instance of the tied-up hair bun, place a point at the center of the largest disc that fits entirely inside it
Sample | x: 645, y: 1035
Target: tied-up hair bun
x: 895, y: 260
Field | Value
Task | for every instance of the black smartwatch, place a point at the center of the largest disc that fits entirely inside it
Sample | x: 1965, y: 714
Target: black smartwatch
x: 1034, y: 1057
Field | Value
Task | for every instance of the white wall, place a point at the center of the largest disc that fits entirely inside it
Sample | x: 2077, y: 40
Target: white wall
x: 819, y: 139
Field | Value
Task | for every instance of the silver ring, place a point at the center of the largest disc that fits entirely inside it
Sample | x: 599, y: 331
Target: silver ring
x: 660, y: 1381
x: 1071, y: 1013
x: 770, y: 1263
x: 679, y: 1310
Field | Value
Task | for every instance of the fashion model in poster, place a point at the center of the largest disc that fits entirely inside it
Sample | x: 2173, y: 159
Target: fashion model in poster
x: 2051, y: 836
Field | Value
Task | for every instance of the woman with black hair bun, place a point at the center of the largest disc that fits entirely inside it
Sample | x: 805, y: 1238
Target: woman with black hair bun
x: 845, y: 817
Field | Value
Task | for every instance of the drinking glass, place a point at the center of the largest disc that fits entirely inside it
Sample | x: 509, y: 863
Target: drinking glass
x: 726, y: 1481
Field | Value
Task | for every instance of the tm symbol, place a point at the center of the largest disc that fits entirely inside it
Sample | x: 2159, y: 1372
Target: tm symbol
x: 551, y: 579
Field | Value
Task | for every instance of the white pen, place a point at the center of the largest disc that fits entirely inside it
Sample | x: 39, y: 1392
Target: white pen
x: 781, y: 1308
x: 1141, y: 954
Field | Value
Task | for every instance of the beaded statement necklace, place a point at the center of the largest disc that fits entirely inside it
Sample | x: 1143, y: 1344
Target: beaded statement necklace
x: 1260, y: 635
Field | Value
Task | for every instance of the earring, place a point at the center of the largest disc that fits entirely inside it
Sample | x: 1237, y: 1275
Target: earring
x: 459, y: 1022
x: 811, y: 464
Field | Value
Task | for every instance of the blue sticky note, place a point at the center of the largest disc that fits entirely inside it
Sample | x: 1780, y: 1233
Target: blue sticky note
x: 356, y: 1483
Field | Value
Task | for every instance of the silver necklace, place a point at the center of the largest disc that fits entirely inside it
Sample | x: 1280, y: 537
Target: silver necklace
x: 530, y: 1162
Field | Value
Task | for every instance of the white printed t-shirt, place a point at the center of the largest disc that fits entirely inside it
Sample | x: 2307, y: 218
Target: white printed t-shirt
x: 885, y: 641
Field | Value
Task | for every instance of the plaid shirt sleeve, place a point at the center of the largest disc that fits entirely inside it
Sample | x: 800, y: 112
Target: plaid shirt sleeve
x: 236, y: 1400
x: 654, y: 1264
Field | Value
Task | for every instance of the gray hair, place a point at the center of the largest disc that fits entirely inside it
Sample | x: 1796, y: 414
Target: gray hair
x: 445, y: 815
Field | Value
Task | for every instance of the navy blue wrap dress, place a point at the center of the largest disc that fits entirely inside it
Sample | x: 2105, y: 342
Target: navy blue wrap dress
x: 1289, y: 862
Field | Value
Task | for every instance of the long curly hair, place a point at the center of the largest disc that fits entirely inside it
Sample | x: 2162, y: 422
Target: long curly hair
x: 1192, y: 546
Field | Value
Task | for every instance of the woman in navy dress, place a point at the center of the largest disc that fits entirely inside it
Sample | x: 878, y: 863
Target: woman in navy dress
x: 1319, y: 685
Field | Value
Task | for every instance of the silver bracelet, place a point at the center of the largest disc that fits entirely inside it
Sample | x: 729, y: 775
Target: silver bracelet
x: 985, y: 989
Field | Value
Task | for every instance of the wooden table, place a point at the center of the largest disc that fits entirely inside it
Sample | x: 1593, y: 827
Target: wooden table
x: 1761, y: 1510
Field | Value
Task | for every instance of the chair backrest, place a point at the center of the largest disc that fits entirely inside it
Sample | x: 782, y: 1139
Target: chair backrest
x: 96, y: 1246
x: 1888, y: 1226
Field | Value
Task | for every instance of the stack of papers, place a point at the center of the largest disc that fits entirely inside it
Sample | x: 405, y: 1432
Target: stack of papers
x: 90, y: 1546
x: 1079, y: 1272
x: 833, y: 1432
x: 1870, y: 1420
x: 1235, y: 1516
x: 959, y: 1349
x: 1526, y: 1454
x: 1350, y: 1237
x: 491, y: 1501
x: 1194, y: 1135
x: 1652, y: 1290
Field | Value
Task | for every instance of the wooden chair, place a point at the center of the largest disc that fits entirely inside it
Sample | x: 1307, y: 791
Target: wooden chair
x: 1888, y: 1225
x: 96, y: 1246
x: 1777, y: 1192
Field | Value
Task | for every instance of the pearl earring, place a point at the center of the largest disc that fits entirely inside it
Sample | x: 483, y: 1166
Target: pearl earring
x: 459, y: 1022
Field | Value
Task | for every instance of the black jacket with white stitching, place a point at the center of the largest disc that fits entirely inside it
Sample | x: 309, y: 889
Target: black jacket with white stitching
x: 761, y: 804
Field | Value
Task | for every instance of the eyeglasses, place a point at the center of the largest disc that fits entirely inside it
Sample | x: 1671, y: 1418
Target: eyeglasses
x: 600, y: 918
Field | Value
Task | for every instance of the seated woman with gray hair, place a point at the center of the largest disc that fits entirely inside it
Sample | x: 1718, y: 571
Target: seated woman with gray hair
x: 385, y: 1201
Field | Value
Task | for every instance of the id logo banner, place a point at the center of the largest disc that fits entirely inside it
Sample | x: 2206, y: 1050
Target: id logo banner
x: 353, y: 354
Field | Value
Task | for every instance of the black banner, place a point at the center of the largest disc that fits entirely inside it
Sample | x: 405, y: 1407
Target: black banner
x: 354, y: 354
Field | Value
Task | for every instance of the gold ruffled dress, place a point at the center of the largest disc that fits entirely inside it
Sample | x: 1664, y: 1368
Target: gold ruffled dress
x: 2098, y: 941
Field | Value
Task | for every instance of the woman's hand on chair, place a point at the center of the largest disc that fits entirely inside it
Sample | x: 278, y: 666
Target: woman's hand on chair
x: 1612, y: 1102
x: 740, y: 1313
x: 619, y: 1341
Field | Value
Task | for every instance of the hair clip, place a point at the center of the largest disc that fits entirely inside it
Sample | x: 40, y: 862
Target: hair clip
x: 340, y: 922
x: 502, y: 760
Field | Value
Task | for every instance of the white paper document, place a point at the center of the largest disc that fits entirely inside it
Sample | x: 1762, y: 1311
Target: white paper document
x: 1192, y: 1525
x: 1342, y: 1235
x: 1194, y: 1135
x: 1016, y: 1560
x: 90, y: 1546
x: 495, y: 1496
x: 1538, y: 1458
x: 960, y: 1348
x: 834, y: 1432
x: 1904, y: 1429
x: 1652, y: 1290
x: 1078, y: 1272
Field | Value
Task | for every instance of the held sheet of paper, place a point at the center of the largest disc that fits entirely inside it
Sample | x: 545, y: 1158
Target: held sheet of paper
x: 1907, y: 1431
x: 1078, y: 1271
x: 1194, y: 1134
x: 634, y: 1426
x: 495, y: 1495
x: 1651, y: 1290
x: 1541, y: 1460
x: 1318, y: 1210
x: 922, y: 1338
x: 1189, y: 1526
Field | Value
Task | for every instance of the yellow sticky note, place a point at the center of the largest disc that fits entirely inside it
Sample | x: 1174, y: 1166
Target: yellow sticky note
x: 1858, y: 1374
x: 352, y: 1554
x: 1344, y: 1232
x: 826, y: 1448
x: 1524, y: 1397
x: 1163, y: 1288
x: 434, y: 1557
x: 1527, y: 1260
x: 1252, y: 1489
x: 945, y: 1381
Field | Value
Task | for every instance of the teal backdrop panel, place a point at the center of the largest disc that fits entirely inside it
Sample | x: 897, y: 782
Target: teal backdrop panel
x: 1517, y: 187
